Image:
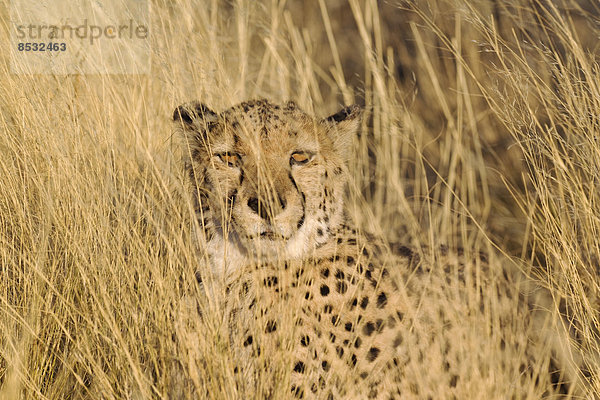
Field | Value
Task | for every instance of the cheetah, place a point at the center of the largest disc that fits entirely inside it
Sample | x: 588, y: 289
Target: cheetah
x: 350, y: 315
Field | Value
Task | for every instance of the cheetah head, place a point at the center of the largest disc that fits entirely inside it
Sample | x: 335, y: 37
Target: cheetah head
x: 267, y: 179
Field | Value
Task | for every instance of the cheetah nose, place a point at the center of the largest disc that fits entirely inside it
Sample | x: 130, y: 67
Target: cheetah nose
x: 261, y: 208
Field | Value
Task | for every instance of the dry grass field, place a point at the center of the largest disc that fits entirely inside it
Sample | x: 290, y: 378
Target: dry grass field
x: 482, y: 130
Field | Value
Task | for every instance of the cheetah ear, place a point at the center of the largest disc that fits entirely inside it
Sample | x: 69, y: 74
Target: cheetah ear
x: 194, y: 117
x: 343, y: 127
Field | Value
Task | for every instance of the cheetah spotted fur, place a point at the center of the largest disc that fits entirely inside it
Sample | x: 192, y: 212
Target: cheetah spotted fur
x: 353, y: 316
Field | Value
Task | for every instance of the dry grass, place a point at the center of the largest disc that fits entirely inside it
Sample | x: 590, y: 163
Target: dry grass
x: 481, y: 131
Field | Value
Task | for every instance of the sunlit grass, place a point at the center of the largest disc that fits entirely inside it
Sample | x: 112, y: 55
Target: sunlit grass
x: 481, y: 131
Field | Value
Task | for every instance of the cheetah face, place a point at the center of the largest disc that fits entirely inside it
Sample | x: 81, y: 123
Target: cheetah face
x: 267, y: 179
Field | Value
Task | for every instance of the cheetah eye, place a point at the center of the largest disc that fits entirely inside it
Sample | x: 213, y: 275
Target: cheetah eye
x: 230, y: 159
x: 300, y: 157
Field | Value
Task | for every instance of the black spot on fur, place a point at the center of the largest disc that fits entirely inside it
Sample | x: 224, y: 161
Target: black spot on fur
x: 314, y: 388
x: 369, y: 328
x: 453, y: 380
x: 320, y: 232
x: 397, y: 341
x: 391, y: 321
x: 339, y: 274
x: 332, y: 337
x: 357, y: 342
x: 299, y: 367
x: 325, y: 366
x: 340, y: 351
x: 300, y: 222
x: 248, y: 341
x: 335, y: 319
x: 305, y: 341
x: 402, y: 251
x: 325, y: 272
x: 297, y: 392
x: 341, y: 287
x: 364, y: 302
x: 348, y: 326
x: 337, y: 171
x: 327, y: 309
x: 353, y: 360
x: 271, y: 281
x: 372, y: 354
x: 324, y: 290
x: 271, y: 327
x: 381, y: 300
